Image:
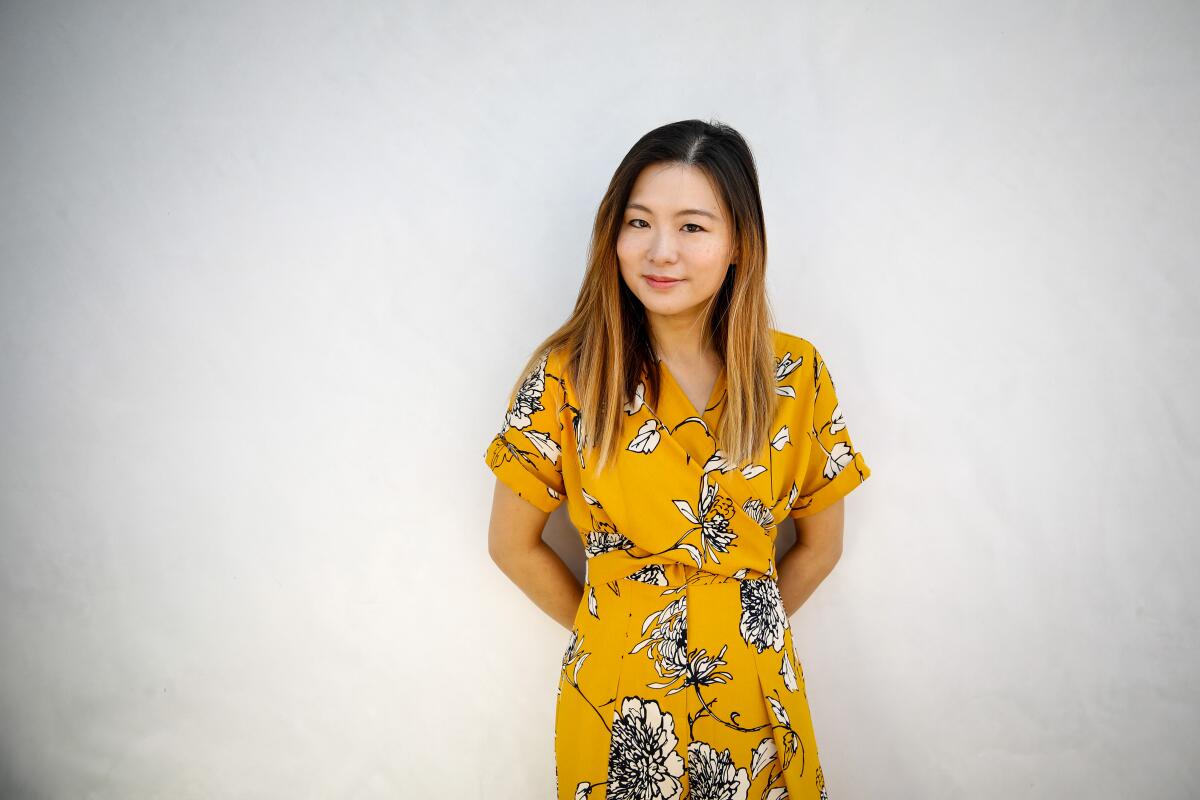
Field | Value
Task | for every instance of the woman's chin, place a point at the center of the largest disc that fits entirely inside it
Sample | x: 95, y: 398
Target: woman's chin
x: 674, y: 308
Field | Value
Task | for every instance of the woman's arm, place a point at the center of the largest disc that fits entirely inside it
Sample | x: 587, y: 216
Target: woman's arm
x: 818, y: 548
x: 515, y: 545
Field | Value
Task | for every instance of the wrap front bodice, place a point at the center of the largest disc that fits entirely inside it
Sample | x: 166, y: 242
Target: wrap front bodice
x: 671, y: 495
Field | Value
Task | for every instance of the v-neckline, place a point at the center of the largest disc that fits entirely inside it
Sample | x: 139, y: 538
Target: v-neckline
x: 713, y: 395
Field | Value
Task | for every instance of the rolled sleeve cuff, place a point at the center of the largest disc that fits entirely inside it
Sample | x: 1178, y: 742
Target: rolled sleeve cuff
x: 851, y: 476
x: 521, y: 478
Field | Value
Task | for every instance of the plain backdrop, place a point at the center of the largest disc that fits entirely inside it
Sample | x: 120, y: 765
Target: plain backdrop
x: 269, y: 271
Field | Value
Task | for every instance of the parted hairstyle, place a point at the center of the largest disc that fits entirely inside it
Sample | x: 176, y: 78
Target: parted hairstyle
x: 607, y: 340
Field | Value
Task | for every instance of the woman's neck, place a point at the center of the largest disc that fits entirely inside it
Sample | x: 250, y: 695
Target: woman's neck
x: 680, y: 341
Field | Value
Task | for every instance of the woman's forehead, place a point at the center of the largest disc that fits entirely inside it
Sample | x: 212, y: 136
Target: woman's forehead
x: 674, y: 190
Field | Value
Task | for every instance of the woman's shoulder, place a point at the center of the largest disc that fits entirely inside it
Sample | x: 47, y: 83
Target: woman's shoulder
x: 792, y: 346
x: 556, y: 357
x: 555, y: 361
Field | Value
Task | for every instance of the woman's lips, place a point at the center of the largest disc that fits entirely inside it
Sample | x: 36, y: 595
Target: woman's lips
x: 662, y: 284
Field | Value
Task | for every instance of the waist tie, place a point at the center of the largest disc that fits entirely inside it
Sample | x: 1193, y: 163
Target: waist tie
x: 692, y: 612
x: 673, y: 573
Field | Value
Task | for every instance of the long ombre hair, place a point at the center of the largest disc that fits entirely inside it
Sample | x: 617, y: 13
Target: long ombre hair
x: 607, y: 339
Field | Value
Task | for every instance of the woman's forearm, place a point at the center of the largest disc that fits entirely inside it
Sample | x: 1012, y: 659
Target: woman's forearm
x: 546, y: 580
x: 801, y: 571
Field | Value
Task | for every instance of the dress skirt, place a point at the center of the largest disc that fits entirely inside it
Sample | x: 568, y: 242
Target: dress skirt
x: 678, y: 683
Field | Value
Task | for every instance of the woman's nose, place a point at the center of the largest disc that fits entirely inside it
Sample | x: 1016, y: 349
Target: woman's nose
x: 662, y: 248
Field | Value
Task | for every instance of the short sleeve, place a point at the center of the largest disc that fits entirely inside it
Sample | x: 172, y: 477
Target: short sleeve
x: 834, y: 467
x: 526, y: 452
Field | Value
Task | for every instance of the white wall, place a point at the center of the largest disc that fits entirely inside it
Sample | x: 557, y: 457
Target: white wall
x: 268, y: 271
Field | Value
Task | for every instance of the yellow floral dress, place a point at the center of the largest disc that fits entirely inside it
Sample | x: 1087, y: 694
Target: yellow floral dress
x: 679, y: 680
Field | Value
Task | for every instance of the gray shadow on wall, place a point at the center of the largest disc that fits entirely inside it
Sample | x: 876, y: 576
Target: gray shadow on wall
x: 564, y: 539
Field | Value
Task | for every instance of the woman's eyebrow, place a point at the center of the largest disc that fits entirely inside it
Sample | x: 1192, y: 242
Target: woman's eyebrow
x: 682, y: 213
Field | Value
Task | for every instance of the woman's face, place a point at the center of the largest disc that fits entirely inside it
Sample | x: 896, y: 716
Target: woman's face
x: 674, y: 228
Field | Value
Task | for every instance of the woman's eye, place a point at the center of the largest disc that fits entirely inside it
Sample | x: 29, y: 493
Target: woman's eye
x: 640, y: 223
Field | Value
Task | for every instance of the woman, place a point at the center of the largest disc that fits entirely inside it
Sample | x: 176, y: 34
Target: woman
x: 680, y: 427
